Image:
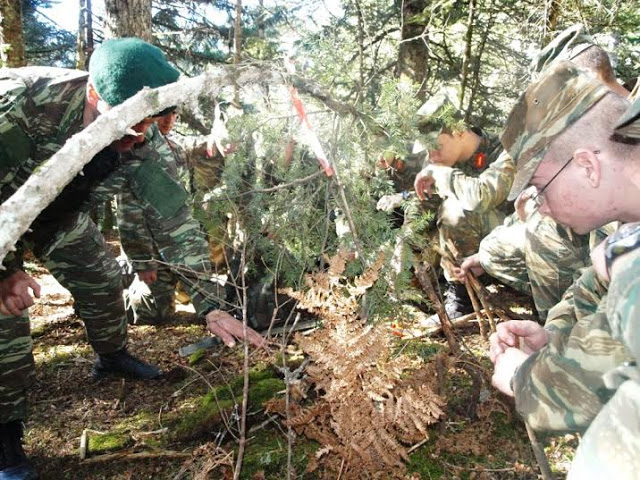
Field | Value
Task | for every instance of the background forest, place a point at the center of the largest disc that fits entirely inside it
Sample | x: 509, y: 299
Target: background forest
x: 362, y: 70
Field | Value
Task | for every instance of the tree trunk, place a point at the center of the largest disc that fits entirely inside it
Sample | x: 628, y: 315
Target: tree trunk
x: 477, y: 62
x: 237, y: 36
x: 11, y: 37
x: 413, y: 53
x: 360, y: 96
x: 84, y: 39
x: 467, y: 52
x: 128, y: 18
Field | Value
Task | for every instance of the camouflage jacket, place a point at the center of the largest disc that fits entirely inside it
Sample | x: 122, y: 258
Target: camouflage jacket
x: 561, y: 387
x: 40, y: 108
x: 481, y: 183
x: 155, y: 219
x: 611, y: 446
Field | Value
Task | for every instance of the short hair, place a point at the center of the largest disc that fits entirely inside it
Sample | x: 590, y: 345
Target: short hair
x: 595, y: 129
x: 596, y: 60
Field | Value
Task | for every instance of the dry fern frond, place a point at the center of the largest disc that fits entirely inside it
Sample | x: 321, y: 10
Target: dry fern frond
x: 368, y: 408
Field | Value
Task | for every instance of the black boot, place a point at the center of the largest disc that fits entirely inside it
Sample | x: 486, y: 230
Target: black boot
x: 456, y: 303
x: 123, y: 364
x: 456, y: 300
x: 13, y: 462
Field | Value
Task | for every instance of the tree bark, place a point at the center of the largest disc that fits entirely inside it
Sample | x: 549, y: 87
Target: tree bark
x: 413, y: 52
x: 11, y: 36
x: 128, y: 18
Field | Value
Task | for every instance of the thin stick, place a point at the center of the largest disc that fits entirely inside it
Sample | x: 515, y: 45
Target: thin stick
x: 538, y: 451
x: 245, y: 389
x: 422, y: 273
x: 476, y: 309
x: 282, y: 186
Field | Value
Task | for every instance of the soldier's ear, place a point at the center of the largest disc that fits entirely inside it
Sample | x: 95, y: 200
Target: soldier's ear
x: 589, y: 165
x: 92, y: 96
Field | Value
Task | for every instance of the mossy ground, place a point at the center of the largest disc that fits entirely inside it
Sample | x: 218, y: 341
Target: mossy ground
x: 197, y: 404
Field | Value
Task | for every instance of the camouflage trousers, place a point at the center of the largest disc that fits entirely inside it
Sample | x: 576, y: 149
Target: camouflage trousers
x: 153, y: 303
x: 464, y: 228
x: 538, y: 257
x: 78, y: 258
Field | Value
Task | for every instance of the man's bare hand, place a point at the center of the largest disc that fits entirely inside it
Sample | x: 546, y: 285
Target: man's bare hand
x: 424, y: 182
x: 470, y: 264
x: 14, y: 293
x: 228, y: 329
x: 148, y: 276
x: 523, y: 334
x: 520, y: 204
x: 505, y: 368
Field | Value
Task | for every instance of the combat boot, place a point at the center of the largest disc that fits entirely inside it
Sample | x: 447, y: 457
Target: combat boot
x: 456, y: 300
x: 122, y: 363
x: 13, y: 462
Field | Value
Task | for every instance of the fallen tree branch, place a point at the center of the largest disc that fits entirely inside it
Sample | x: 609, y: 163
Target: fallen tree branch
x: 136, y: 456
x: 44, y: 184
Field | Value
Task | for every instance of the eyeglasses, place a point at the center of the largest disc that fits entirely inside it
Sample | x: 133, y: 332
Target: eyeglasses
x: 538, y: 198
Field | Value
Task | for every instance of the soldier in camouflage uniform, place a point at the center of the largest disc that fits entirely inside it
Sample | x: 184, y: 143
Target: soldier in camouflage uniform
x: 141, y: 245
x: 469, y: 174
x: 611, y: 446
x: 535, y: 255
x: 41, y: 108
x: 560, y: 135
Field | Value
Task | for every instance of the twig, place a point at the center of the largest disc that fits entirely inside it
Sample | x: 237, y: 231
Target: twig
x: 345, y: 204
x: 538, y: 451
x: 476, y: 309
x: 245, y: 389
x: 417, y: 446
x: 282, y: 186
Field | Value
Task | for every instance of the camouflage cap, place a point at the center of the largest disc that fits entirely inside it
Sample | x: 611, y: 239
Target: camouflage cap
x: 629, y: 123
x: 547, y: 108
x: 121, y: 67
x: 567, y: 45
x: 440, y: 113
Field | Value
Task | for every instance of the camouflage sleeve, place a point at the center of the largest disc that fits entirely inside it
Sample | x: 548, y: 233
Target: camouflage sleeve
x: 501, y: 254
x: 623, y: 307
x: 482, y: 193
x: 15, y: 149
x: 561, y: 387
x: 135, y: 237
x: 553, y: 254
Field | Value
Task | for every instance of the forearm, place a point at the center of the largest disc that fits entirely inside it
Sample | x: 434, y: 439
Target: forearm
x: 484, y: 192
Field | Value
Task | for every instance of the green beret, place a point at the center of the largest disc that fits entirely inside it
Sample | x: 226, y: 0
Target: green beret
x: 567, y: 45
x: 549, y: 106
x: 629, y: 124
x: 121, y: 67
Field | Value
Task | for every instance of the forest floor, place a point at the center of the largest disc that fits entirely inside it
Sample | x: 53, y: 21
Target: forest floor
x: 183, y: 425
